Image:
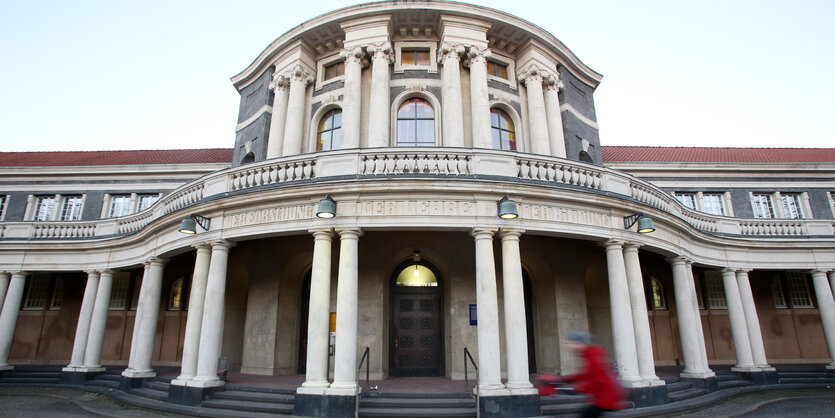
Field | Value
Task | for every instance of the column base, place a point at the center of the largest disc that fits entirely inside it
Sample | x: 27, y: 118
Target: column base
x: 761, y: 376
x: 128, y: 383
x: 7, y: 367
x: 709, y: 384
x: 77, y: 375
x: 183, y: 393
x: 510, y: 406
x: 325, y: 406
x: 829, y: 367
x: 697, y: 375
x: 135, y: 374
x: 652, y: 394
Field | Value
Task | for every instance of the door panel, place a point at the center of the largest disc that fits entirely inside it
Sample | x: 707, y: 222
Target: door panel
x: 416, y: 344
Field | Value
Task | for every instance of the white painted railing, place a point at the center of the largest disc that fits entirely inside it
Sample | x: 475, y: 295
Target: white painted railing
x: 462, y: 163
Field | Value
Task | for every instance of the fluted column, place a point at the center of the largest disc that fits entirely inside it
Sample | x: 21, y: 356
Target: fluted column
x: 8, y: 317
x: 137, y: 316
x: 687, y: 313
x: 453, y: 112
x: 736, y: 317
x: 98, y: 323
x: 275, y: 144
x: 4, y: 286
x: 379, y: 118
x: 148, y: 321
x: 755, y: 336
x: 540, y: 144
x: 480, y: 100
x: 623, y: 332
x: 194, y: 322
x: 515, y: 324
x: 700, y: 328
x: 345, y: 358
x: 82, y: 329
x: 640, y: 320
x: 826, y: 306
x: 489, y: 360
x: 352, y: 101
x: 554, y: 115
x: 318, y: 319
x: 294, y: 123
x: 212, y: 324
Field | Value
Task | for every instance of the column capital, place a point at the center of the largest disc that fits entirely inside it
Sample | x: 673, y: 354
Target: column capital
x: 533, y: 74
x: 107, y: 271
x: 92, y: 272
x: 477, y: 55
x: 155, y: 261
x: 348, y: 233
x: 280, y: 82
x: 678, y: 259
x: 355, y: 55
x: 631, y: 246
x: 552, y: 82
x: 823, y: 272
x: 382, y: 50
x: 729, y: 270
x: 742, y: 271
x: 483, y: 233
x: 321, y: 233
x: 612, y: 244
x: 202, y: 246
x: 450, y: 51
x: 511, y: 233
x: 299, y: 74
x: 222, y: 244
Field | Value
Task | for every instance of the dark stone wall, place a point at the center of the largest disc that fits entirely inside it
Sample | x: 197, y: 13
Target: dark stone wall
x: 16, y: 207
x: 579, y: 96
x: 253, y: 98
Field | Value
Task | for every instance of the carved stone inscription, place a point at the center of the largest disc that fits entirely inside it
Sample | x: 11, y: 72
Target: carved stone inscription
x: 269, y: 215
x: 415, y: 207
x: 569, y: 215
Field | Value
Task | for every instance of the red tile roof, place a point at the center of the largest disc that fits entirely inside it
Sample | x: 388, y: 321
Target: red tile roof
x: 92, y: 158
x: 718, y: 155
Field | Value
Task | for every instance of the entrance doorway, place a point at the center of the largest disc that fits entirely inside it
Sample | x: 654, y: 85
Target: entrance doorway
x: 304, y: 306
x: 417, y: 345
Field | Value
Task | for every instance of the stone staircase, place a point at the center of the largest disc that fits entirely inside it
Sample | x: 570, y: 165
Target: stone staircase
x: 241, y: 400
x: 805, y: 375
x: 397, y: 404
x: 32, y: 375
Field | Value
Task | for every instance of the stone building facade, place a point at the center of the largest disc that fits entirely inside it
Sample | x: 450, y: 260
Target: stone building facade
x: 416, y: 119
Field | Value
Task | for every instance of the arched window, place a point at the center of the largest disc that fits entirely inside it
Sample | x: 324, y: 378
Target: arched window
x: 248, y: 158
x: 329, y: 134
x: 658, y: 300
x: 415, y: 124
x: 504, y: 133
x: 175, y: 299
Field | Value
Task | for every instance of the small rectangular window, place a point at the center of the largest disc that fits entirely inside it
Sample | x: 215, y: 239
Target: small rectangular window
x: 715, y: 290
x: 799, y: 290
x: 37, y: 292
x: 687, y: 199
x: 43, y: 208
x: 146, y: 201
x: 714, y: 203
x: 71, y: 211
x: 57, y: 295
x: 497, y: 69
x: 334, y: 70
x: 417, y: 57
x: 763, y: 207
x: 119, y: 292
x: 777, y: 293
x: 791, y: 205
x: 119, y: 205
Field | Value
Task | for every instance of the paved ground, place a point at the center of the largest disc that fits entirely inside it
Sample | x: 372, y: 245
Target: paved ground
x: 781, y: 403
x: 64, y: 403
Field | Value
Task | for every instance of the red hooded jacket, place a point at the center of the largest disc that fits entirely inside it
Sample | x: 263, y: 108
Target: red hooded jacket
x: 598, y: 380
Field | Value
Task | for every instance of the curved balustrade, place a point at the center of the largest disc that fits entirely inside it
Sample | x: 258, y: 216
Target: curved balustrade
x: 441, y: 162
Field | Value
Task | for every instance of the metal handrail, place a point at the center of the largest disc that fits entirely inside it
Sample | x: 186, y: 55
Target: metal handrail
x: 365, y: 356
x: 467, y: 380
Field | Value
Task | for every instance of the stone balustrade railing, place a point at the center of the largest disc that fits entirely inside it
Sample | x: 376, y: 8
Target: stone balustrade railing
x: 464, y: 164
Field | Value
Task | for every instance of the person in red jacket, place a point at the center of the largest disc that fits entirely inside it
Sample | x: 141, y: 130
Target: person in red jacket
x: 597, y: 378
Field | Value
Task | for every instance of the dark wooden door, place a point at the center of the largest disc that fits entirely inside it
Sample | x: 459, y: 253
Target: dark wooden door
x: 416, y: 338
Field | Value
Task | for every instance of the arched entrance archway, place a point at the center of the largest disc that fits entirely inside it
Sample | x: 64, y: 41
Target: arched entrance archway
x: 416, y: 327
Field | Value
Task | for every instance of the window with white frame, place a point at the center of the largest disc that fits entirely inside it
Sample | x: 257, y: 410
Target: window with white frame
x: 71, y: 208
x: 687, y: 199
x: 4, y: 199
x: 714, y: 203
x: 37, y: 292
x: 497, y: 69
x: 415, y: 55
x: 799, y: 290
x: 777, y: 293
x: 57, y: 295
x: 791, y: 205
x: 715, y: 290
x: 763, y: 206
x: 119, y: 292
x: 146, y: 201
x: 44, y: 205
x: 119, y: 205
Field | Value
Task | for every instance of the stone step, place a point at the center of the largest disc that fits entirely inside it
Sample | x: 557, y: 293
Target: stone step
x: 250, y: 406
x: 33, y: 374
x: 442, y: 403
x: 246, y: 388
x: 807, y: 379
x: 231, y: 413
x: 563, y: 399
x: 30, y: 380
x: 805, y: 374
x: 103, y: 383
x: 150, y: 393
x: 677, y: 386
x: 255, y: 396
x: 734, y: 383
x: 375, y: 394
x: 109, y: 377
x: 160, y: 386
x: 685, y: 394
x: 418, y: 412
x: 671, y: 379
x: 726, y: 377
x: 562, y: 409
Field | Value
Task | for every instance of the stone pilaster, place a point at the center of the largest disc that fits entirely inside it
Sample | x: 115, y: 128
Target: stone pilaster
x: 345, y: 358
x: 147, y: 321
x: 196, y: 303
x: 515, y: 324
x: 489, y: 363
x: 623, y: 332
x: 82, y: 329
x: 537, y: 119
x: 212, y: 324
x: 554, y: 115
x: 137, y: 315
x: 316, y: 379
x: 281, y: 89
x: 449, y: 56
x: 98, y: 323
x: 687, y: 312
x: 479, y: 98
x: 640, y: 320
x: 294, y: 123
x: 352, y: 101
x: 736, y: 317
x: 752, y: 321
x: 379, y: 120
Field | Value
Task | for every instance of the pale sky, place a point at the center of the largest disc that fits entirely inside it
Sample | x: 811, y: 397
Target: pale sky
x: 154, y: 74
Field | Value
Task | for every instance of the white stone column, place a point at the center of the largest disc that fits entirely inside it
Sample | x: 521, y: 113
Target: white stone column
x: 294, y: 123
x: 687, y: 313
x: 318, y: 319
x: 352, y: 99
x: 752, y: 321
x: 212, y: 325
x: 489, y: 357
x: 623, y: 332
x: 480, y: 101
x: 4, y: 286
x: 701, y: 330
x: 137, y: 316
x: 345, y: 358
x: 554, y: 116
x: 640, y: 320
x: 449, y: 56
x: 275, y: 143
x: 831, y: 281
x: 379, y: 118
x: 98, y: 324
x: 515, y: 323
x: 826, y: 306
x: 148, y: 321
x: 736, y: 317
x: 82, y: 329
x: 8, y: 317
x: 197, y: 296
x: 538, y: 122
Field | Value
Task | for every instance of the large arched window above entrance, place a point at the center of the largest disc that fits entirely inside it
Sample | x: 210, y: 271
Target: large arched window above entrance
x: 329, y: 133
x: 415, y: 124
x: 416, y: 275
x: 503, y: 130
